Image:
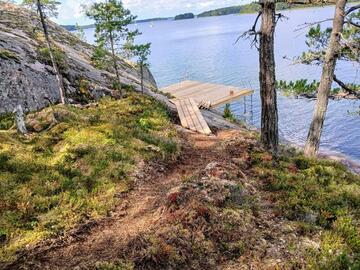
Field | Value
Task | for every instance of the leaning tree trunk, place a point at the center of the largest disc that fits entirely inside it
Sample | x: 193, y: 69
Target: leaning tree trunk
x: 142, y: 77
x: 316, y: 127
x: 116, y: 67
x: 47, y: 38
x: 269, y: 112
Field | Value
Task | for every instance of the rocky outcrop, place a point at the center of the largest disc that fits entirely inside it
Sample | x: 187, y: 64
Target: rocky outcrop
x: 26, y: 75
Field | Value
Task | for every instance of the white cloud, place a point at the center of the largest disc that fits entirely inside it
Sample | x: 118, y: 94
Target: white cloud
x: 71, y: 11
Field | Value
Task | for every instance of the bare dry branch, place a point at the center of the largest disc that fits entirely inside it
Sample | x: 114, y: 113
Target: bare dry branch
x: 251, y: 33
x: 280, y: 17
x: 352, y: 9
x: 307, y: 25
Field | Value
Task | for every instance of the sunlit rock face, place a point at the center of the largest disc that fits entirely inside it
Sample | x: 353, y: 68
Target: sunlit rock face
x: 26, y: 74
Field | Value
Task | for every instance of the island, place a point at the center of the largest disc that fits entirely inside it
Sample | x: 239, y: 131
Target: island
x: 185, y: 16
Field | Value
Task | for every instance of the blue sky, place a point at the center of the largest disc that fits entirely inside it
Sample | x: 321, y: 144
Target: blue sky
x: 71, y: 12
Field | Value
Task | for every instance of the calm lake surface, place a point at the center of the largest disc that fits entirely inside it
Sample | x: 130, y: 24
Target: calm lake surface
x: 204, y: 50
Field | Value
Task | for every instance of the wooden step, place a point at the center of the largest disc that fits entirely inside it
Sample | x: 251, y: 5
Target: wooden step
x: 191, y: 117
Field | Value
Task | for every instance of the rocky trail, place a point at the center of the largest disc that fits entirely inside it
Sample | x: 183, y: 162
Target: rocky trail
x: 185, y: 214
x: 136, y: 212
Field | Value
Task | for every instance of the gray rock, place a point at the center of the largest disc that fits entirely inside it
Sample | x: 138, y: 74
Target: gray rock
x: 311, y: 217
x: 27, y: 80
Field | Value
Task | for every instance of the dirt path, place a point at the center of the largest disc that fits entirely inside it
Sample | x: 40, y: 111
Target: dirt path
x: 135, y: 214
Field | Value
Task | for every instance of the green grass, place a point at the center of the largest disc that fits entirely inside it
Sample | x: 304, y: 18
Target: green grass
x: 6, y: 121
x: 319, y: 195
x: 50, y: 181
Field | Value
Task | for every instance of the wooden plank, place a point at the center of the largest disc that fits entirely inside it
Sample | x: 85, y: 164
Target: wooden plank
x: 219, y: 98
x: 187, y: 116
x: 172, y: 89
x: 231, y: 98
x: 205, y: 127
x: 214, y: 93
x: 190, y: 116
x: 184, y: 91
x: 218, y: 93
x: 200, y: 91
x: 181, y: 113
x: 193, y: 116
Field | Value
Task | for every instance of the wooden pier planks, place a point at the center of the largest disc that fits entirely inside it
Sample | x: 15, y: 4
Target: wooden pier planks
x: 206, y: 93
x: 191, y: 117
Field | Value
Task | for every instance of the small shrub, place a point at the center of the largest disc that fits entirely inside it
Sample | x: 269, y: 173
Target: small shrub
x: 228, y: 113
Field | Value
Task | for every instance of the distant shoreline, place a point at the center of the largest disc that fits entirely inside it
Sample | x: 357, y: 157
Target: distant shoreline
x: 232, y: 10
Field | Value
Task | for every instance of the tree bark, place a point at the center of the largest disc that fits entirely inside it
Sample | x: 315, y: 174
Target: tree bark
x: 316, y: 127
x: 269, y: 111
x: 112, y: 45
x: 142, y: 77
x: 47, y: 39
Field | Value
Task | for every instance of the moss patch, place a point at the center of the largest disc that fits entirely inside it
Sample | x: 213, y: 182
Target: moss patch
x: 71, y: 171
x: 321, y: 194
x: 9, y: 55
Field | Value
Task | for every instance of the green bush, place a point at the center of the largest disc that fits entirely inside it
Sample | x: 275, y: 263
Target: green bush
x: 228, y: 113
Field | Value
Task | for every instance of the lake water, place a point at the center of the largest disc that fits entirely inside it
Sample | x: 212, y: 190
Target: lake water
x: 204, y: 50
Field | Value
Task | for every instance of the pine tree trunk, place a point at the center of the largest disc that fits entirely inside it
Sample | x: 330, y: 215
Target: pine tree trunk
x: 47, y: 38
x: 116, y: 67
x: 142, y: 77
x: 316, y: 127
x: 269, y: 112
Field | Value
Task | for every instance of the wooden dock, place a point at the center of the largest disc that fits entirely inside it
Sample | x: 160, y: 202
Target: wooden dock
x: 188, y: 96
x: 206, y: 94
x: 191, y: 117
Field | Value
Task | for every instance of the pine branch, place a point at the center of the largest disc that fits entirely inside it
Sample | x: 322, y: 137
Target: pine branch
x: 346, y: 88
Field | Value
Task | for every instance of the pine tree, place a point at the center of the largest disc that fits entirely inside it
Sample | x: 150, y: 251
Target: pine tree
x: 141, y: 53
x: 111, y: 29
